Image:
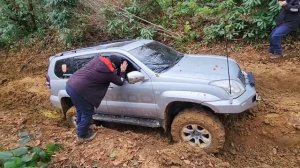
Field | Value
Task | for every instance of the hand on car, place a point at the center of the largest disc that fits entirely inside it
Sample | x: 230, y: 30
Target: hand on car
x: 123, y: 66
x: 282, y: 3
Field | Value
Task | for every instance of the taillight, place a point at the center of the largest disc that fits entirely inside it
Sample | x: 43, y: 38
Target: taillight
x: 48, y: 81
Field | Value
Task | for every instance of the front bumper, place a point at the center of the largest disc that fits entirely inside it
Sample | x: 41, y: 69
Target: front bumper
x: 244, y: 102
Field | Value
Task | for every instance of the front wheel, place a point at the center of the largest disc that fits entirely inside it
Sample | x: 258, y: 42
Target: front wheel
x: 199, y: 129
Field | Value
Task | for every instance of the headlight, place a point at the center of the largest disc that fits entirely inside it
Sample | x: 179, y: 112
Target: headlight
x: 236, y: 87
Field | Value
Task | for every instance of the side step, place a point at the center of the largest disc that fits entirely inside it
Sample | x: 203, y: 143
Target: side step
x: 127, y: 120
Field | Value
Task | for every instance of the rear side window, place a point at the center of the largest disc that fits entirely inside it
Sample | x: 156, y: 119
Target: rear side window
x: 64, y: 68
x: 58, y: 69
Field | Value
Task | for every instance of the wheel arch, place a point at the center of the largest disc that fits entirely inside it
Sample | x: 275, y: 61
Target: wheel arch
x: 66, y: 104
x: 174, y: 108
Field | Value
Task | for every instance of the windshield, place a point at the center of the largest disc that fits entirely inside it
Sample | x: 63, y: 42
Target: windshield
x: 156, y: 56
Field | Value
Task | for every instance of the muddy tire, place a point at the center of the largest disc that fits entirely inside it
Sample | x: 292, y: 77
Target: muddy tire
x: 199, y: 129
x: 71, y: 117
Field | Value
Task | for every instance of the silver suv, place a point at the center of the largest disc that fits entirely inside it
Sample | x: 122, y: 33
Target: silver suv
x: 164, y: 88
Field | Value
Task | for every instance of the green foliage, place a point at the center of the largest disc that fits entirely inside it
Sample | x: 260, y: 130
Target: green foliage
x: 27, y: 156
x: 124, y: 23
x: 30, y: 18
x: 192, y: 19
x: 246, y: 19
x: 62, y: 17
x: 147, y: 33
x: 17, y: 18
x: 208, y: 19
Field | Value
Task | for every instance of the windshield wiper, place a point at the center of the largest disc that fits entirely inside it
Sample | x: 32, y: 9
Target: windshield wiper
x: 166, y: 68
x: 180, y: 54
x: 178, y: 59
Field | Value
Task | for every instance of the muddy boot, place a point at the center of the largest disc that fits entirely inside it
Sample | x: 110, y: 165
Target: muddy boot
x: 90, y: 136
x: 275, y: 56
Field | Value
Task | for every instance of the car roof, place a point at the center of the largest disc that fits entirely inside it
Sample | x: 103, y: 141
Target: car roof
x: 135, y: 44
x: 125, y: 45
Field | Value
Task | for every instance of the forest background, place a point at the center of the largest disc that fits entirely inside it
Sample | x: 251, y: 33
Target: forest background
x: 80, y: 22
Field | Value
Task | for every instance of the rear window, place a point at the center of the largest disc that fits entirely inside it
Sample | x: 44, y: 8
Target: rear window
x: 64, y: 68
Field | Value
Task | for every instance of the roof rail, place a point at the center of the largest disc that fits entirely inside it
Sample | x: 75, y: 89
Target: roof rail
x: 107, y: 42
x: 92, y: 46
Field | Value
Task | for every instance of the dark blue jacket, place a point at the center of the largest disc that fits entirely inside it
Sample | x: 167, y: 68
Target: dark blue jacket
x: 92, y: 81
x: 290, y: 14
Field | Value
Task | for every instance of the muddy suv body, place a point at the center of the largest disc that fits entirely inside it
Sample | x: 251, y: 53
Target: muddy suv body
x: 164, y: 88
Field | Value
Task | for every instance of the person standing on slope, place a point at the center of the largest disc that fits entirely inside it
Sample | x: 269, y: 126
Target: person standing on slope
x: 288, y: 20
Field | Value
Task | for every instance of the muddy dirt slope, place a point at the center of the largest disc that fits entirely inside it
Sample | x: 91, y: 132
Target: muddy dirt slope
x: 267, y: 136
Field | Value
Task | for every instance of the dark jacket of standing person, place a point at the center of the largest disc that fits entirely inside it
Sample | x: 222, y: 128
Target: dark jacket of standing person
x: 290, y: 14
x: 92, y: 81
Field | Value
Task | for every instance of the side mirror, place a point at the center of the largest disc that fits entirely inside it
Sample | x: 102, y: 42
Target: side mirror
x: 135, y: 76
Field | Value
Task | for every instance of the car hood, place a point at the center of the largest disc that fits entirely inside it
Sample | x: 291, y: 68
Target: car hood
x: 205, y: 67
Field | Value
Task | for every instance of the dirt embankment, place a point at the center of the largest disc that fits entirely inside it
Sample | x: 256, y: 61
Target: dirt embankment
x: 267, y: 136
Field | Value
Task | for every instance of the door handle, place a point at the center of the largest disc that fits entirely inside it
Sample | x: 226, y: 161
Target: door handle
x: 110, y: 87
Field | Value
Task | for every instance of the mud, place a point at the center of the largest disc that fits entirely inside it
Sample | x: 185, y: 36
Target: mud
x: 266, y: 136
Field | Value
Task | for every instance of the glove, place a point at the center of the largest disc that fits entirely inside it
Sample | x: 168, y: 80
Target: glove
x: 282, y: 3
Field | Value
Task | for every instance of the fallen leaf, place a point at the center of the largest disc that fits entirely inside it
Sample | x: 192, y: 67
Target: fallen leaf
x: 187, y: 162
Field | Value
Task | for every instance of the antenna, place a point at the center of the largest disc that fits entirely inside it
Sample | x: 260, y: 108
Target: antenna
x: 227, y: 57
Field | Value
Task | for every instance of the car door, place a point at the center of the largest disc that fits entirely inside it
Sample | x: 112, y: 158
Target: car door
x: 136, y: 100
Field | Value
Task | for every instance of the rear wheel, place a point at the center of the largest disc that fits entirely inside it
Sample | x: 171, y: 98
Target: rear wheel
x: 71, y: 117
x: 199, y: 129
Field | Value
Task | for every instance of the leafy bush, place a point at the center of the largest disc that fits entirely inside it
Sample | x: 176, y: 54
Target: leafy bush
x: 246, y: 19
x: 208, y: 19
x: 21, y: 18
x: 17, y: 18
x: 192, y: 19
x: 123, y: 23
x: 63, y: 16
x: 27, y: 156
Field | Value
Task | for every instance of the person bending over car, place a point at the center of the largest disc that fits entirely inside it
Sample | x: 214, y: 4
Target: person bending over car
x: 88, y: 86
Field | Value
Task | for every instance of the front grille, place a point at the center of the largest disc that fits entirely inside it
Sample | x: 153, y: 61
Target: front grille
x: 241, y: 76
